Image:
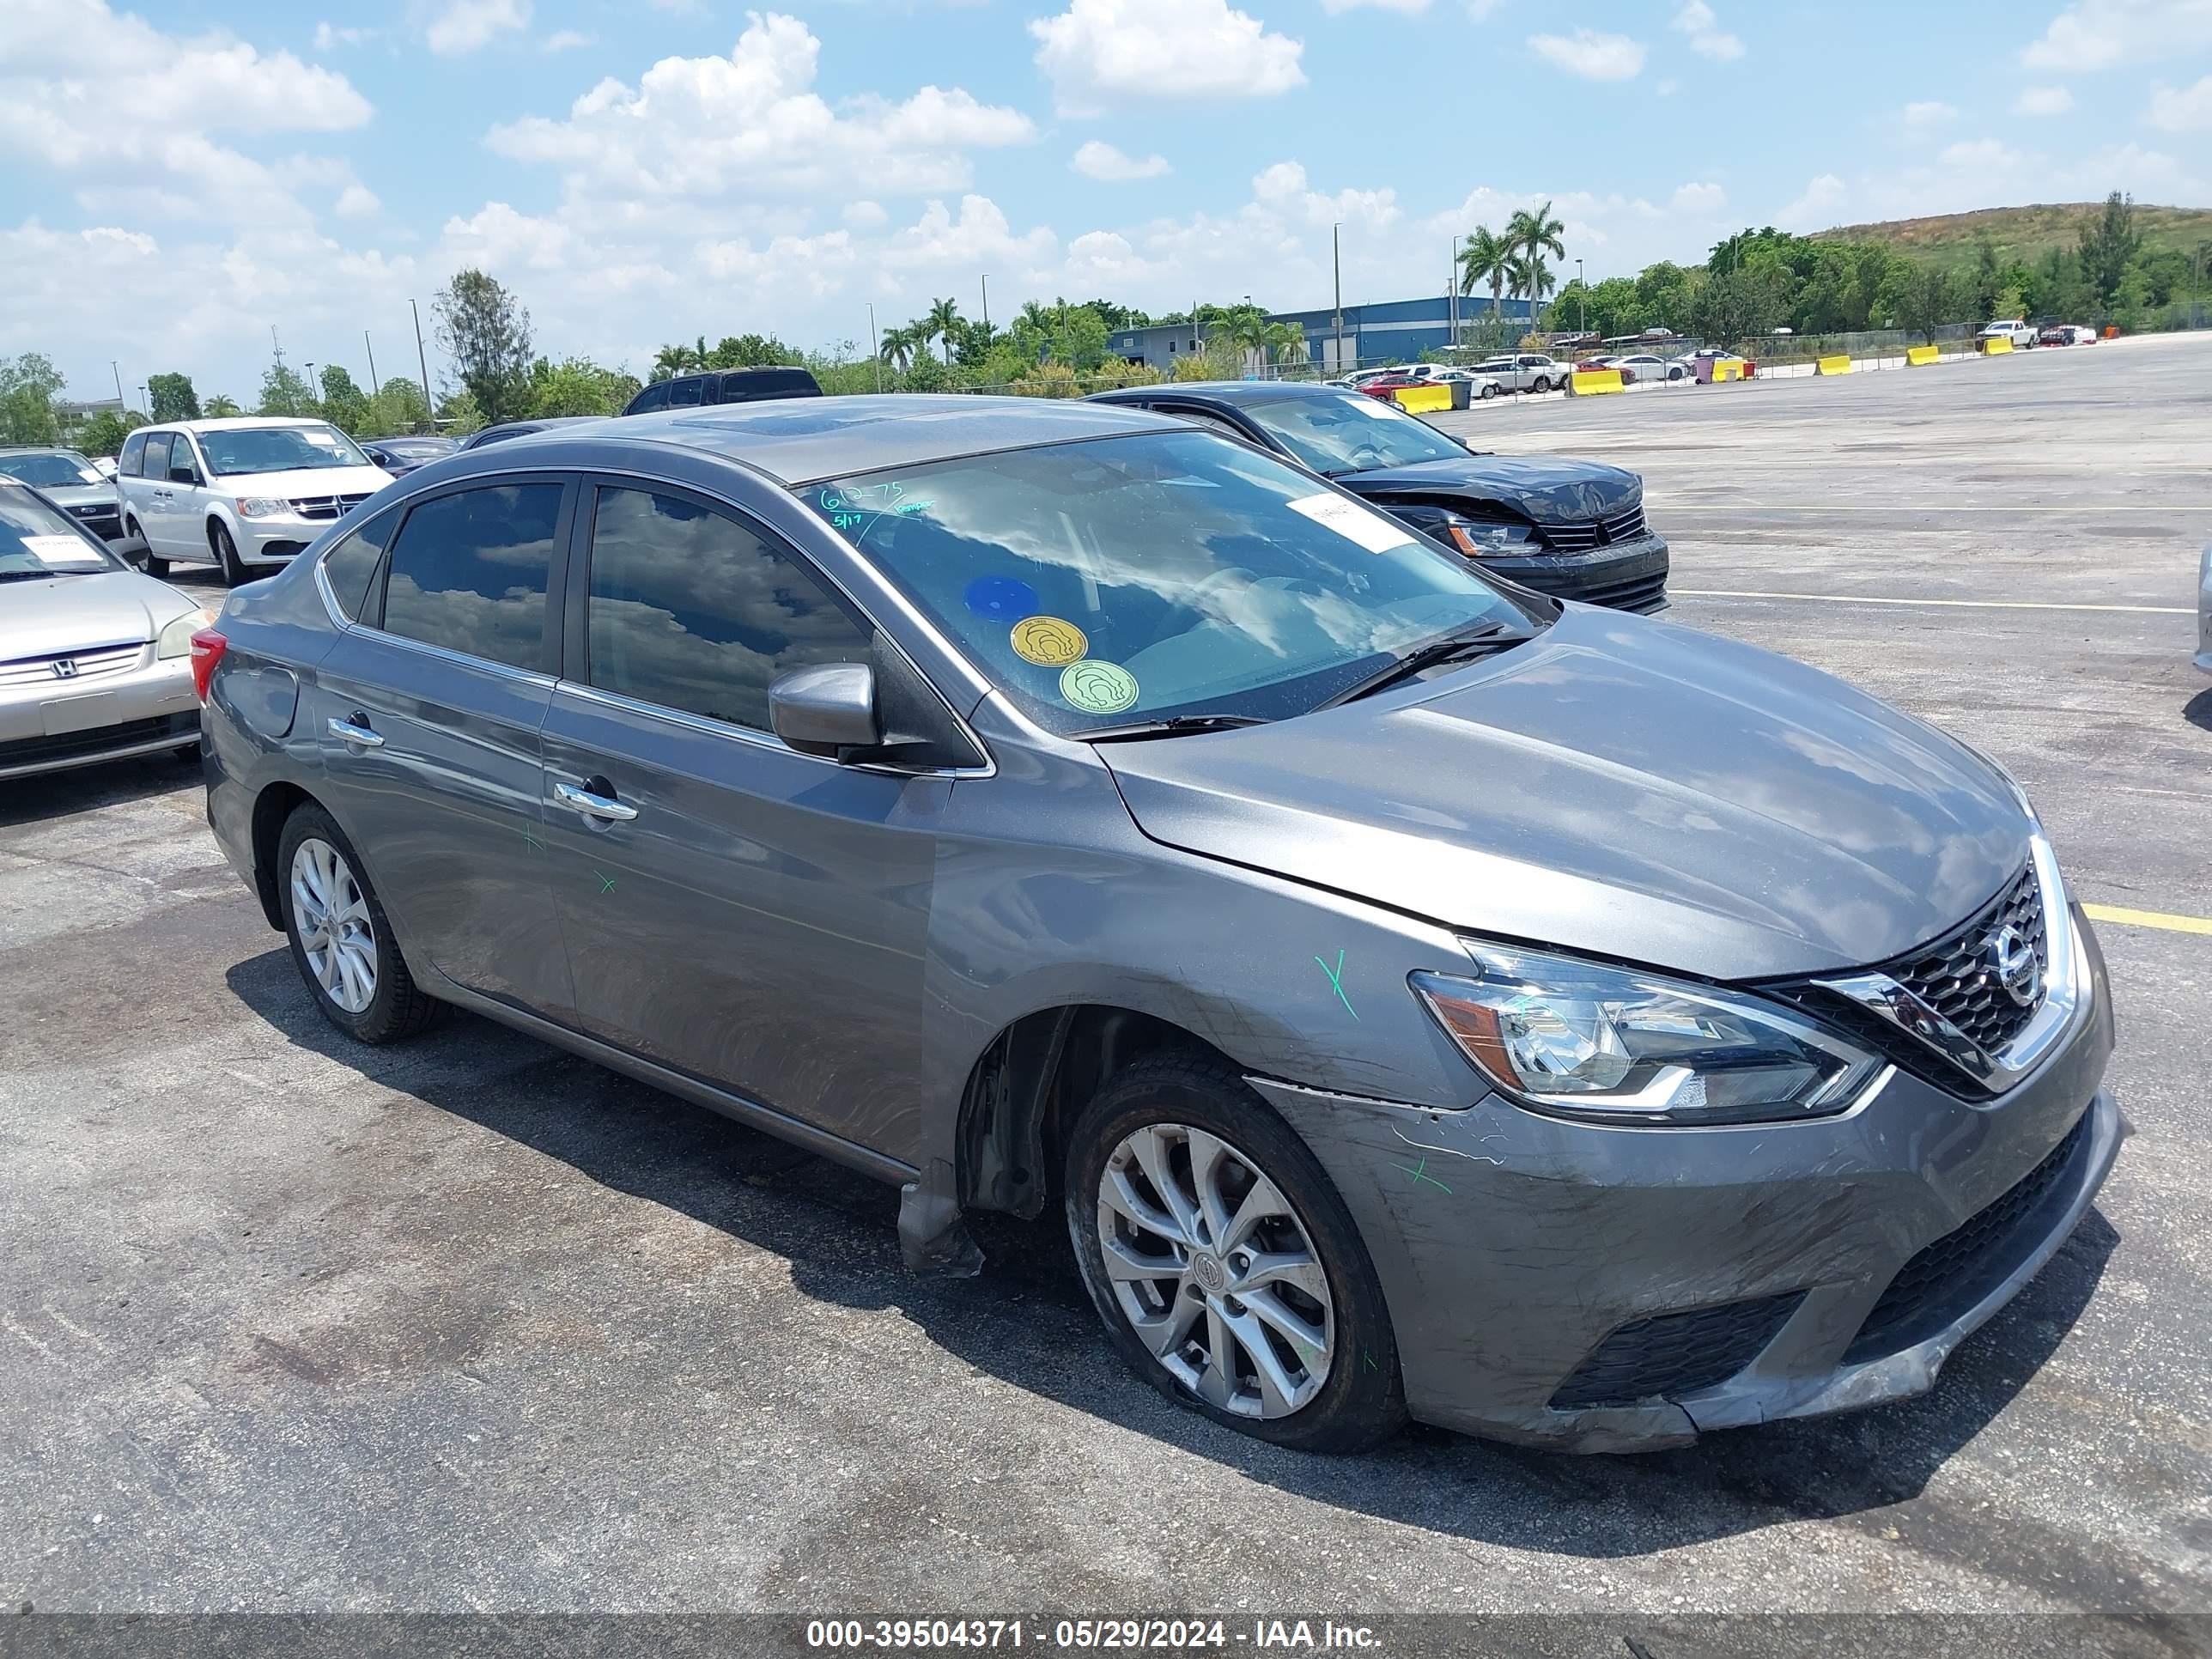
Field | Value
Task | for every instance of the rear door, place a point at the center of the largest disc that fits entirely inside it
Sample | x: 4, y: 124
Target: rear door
x: 733, y: 909
x: 426, y: 713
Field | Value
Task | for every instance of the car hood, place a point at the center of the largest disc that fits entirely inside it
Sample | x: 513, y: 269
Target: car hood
x: 312, y: 480
x: 1548, y: 488
x: 99, y: 494
x: 1617, y: 786
x: 70, y: 613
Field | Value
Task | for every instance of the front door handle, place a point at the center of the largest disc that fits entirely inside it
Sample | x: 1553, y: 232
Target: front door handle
x: 605, y: 808
x: 359, y: 736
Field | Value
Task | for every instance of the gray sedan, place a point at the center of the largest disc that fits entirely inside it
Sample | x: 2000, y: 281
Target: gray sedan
x: 95, y: 660
x: 1417, y: 996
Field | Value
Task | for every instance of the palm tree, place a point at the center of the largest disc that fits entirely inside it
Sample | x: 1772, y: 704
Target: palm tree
x: 943, y: 322
x: 220, y: 406
x: 1288, y: 342
x: 1529, y: 237
x: 1482, y: 260
x: 1527, y: 273
x: 899, y: 345
x: 674, y: 359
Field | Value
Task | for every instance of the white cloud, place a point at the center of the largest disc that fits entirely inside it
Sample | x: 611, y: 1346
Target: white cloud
x: 1411, y: 7
x: 979, y: 238
x: 1707, y: 37
x: 1989, y: 155
x: 357, y: 202
x: 328, y: 35
x: 1102, y: 52
x: 2043, y: 100
x: 1593, y: 56
x: 463, y: 26
x: 2188, y: 110
x: 1989, y: 173
x: 1481, y: 11
x: 1927, y: 116
x: 1700, y: 198
x: 751, y: 126
x: 1109, y: 166
x: 864, y: 215
x: 1814, y: 208
x: 568, y: 40
x: 2093, y: 34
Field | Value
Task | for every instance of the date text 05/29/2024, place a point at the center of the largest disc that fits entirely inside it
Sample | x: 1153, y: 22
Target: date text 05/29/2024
x: 1109, y: 1635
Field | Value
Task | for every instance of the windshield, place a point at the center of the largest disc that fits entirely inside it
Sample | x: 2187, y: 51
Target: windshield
x: 418, y: 449
x: 50, y: 468
x: 1350, y: 432
x: 35, y: 541
x: 1124, y: 580
x: 279, y: 449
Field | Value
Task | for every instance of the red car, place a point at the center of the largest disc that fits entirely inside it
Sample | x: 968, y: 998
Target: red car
x: 1383, y: 385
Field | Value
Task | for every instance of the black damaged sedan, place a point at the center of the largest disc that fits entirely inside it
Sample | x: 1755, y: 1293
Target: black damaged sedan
x: 1572, y: 529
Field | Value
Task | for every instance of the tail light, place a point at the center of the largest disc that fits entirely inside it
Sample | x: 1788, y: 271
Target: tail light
x: 208, y: 646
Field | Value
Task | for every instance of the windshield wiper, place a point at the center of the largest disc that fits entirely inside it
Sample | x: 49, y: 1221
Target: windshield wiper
x: 1174, y: 726
x: 41, y: 575
x: 1474, y: 642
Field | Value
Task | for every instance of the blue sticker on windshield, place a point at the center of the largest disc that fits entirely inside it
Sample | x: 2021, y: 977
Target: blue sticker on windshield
x: 1000, y: 597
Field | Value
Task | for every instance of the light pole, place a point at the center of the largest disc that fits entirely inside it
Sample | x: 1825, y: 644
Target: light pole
x: 372, y: 363
x: 118, y: 379
x: 1336, y: 271
x: 429, y: 409
x: 1581, y: 301
x: 312, y: 397
x: 875, y: 351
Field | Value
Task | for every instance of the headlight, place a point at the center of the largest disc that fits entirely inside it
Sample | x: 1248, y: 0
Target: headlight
x: 1606, y: 1044
x: 263, y: 507
x: 176, y: 639
x: 1487, y: 538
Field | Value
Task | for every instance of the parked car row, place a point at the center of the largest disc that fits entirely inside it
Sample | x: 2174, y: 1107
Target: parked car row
x: 1417, y: 996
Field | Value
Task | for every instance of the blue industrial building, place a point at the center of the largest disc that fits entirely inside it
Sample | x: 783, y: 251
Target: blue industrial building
x: 1388, y: 330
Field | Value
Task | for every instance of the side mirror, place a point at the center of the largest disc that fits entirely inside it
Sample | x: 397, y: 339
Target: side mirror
x: 826, y: 709
x: 186, y: 474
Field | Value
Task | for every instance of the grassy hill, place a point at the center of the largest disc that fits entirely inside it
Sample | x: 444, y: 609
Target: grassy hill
x: 2023, y: 232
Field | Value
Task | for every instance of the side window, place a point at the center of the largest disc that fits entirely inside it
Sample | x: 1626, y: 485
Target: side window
x: 183, y: 465
x: 133, y: 452
x: 1203, y: 418
x: 691, y: 611
x: 157, y: 457
x: 350, y: 565
x: 652, y: 398
x: 469, y: 571
x: 681, y: 394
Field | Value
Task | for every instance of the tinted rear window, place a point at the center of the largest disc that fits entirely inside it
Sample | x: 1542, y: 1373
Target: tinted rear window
x: 652, y: 398
x: 157, y: 456
x: 746, y: 385
x: 469, y: 571
x: 350, y: 565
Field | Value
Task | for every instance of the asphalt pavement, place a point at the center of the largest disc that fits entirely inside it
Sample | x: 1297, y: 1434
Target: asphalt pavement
x: 467, y: 1324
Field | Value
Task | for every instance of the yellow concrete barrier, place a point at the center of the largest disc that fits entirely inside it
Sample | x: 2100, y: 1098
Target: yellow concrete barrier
x: 1833, y: 366
x: 1422, y: 399
x: 1920, y: 356
x: 1996, y: 347
x: 1727, y: 368
x: 1585, y: 381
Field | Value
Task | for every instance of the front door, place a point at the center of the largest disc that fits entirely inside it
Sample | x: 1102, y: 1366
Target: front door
x: 427, y: 716
x: 184, y: 509
x: 154, y: 497
x: 749, y: 915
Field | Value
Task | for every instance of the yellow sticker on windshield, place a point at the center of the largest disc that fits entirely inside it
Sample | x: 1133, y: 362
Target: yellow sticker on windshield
x: 1098, y: 688
x: 1049, y: 642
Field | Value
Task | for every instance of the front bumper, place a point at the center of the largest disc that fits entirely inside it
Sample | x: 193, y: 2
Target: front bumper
x: 275, y: 541
x: 1625, y: 576
x: 142, y: 710
x: 1600, y: 1289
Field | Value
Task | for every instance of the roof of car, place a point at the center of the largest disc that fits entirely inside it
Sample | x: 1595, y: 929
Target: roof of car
x: 1226, y: 392
x: 228, y: 422
x: 799, y: 440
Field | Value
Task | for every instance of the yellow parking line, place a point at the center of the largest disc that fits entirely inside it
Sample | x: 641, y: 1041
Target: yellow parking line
x: 1969, y: 604
x: 2147, y: 919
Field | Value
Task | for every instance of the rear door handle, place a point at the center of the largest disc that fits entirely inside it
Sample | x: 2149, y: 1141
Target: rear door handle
x: 605, y: 808
x: 360, y: 736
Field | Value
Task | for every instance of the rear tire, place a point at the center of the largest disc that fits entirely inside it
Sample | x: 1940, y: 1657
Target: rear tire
x: 226, y: 554
x: 1344, y: 1394
x: 146, y: 560
x: 1488, y: 392
x: 1540, y: 383
x: 338, y: 928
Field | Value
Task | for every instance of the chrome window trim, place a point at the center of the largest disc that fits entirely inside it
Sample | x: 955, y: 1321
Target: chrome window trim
x: 2063, y: 1003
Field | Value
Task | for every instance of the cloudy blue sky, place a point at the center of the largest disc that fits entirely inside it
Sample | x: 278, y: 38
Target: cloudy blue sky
x: 176, y: 181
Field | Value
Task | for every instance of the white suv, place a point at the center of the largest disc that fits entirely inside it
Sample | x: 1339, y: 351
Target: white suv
x: 251, y: 490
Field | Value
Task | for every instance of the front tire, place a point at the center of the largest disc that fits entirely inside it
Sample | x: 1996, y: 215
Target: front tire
x: 1225, y: 1266
x: 1539, y: 385
x: 226, y: 554
x: 147, y: 560
x: 341, y: 940
x: 1488, y: 392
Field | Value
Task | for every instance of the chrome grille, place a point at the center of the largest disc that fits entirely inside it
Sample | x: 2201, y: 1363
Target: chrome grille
x: 91, y: 663
x: 1955, y: 977
x: 1625, y: 526
x: 326, y: 507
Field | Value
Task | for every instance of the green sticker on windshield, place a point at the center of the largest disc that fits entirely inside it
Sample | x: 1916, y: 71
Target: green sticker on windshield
x: 1098, y: 688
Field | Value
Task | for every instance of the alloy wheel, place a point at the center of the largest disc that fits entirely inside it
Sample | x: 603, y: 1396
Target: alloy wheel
x: 1215, y: 1271
x: 336, y: 934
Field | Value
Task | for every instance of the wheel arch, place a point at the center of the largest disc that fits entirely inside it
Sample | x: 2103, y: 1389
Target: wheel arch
x: 275, y: 804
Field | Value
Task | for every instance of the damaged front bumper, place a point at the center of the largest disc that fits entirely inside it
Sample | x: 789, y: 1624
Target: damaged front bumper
x: 1592, y: 1288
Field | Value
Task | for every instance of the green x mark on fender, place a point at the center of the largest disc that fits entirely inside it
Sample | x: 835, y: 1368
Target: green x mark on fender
x: 606, y: 882
x: 1420, y: 1173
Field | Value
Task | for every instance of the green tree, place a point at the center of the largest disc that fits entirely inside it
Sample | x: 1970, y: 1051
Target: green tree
x: 173, y: 397
x: 2109, y: 246
x: 898, y: 347
x: 1664, y: 293
x: 1743, y: 305
x: 345, y: 405
x: 943, y: 320
x: 749, y: 351
x: 285, y: 392
x: 1482, y: 259
x: 459, y: 414
x: 222, y: 407
x: 28, y: 385
x: 103, y: 434
x: 485, y: 330
x: 577, y: 386
x: 1529, y: 235
x: 925, y: 374
x: 679, y: 359
x: 1922, y: 299
x: 1527, y: 274
x: 396, y: 408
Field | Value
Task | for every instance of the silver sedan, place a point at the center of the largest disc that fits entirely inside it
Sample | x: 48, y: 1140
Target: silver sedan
x: 95, y: 660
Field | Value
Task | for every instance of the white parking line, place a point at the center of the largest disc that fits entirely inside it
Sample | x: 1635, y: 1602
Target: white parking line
x: 1972, y: 604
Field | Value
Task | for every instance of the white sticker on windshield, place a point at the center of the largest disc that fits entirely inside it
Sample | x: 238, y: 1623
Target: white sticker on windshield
x: 1354, y: 522
x: 58, y: 551
x: 1375, y: 409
